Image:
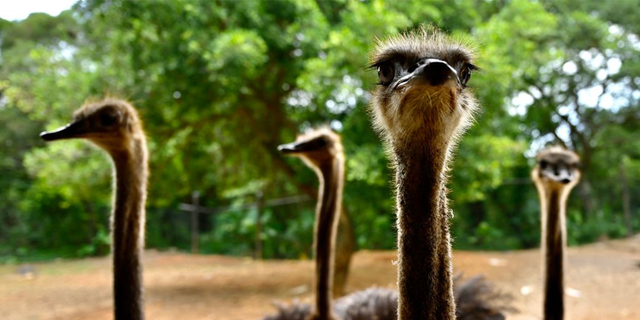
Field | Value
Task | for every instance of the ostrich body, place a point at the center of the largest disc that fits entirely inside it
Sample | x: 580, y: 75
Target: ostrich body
x: 114, y: 126
x: 554, y: 175
x: 421, y: 107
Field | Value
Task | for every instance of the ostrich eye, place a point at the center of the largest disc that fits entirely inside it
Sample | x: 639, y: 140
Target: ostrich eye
x: 386, y: 72
x: 318, y: 143
x: 465, y: 75
x: 108, y: 118
x: 543, y: 164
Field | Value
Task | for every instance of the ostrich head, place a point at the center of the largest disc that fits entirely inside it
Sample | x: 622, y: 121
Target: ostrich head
x: 109, y: 123
x: 318, y: 147
x: 422, y: 93
x: 556, y: 168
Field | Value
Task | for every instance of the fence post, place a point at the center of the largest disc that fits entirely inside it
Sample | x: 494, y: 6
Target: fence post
x: 259, y: 207
x: 195, y: 198
x: 626, y: 202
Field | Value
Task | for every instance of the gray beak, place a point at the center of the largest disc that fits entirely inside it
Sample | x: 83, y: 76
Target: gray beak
x: 288, y: 148
x: 70, y: 131
x: 562, y: 175
x: 302, y: 146
x: 435, y: 71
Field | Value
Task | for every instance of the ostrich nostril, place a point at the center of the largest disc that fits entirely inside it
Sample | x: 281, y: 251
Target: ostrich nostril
x: 438, y: 73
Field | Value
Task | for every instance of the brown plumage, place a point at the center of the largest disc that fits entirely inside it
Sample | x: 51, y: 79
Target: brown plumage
x: 475, y: 299
x: 421, y: 107
x: 368, y: 304
x: 114, y: 126
x: 295, y: 311
x: 555, y: 174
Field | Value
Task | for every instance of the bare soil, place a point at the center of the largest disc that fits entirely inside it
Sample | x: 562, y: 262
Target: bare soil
x: 603, y: 282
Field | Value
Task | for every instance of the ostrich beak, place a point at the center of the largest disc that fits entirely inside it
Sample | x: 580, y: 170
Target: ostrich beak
x: 437, y: 72
x: 289, y: 148
x: 70, y: 131
x: 561, y: 175
x: 301, y: 146
x: 565, y: 176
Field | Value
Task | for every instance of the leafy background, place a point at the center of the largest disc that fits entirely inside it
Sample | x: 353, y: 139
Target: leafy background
x: 220, y: 84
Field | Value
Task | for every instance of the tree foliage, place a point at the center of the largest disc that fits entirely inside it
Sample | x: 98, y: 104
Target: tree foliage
x: 220, y: 84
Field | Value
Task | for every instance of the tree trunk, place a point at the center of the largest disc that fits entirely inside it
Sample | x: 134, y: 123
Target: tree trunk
x: 195, y: 219
x: 478, y: 213
x: 626, y: 199
x: 259, y: 207
x: 345, y: 246
x: 585, y: 191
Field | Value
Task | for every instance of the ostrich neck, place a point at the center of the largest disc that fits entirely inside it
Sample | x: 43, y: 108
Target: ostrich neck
x: 326, y: 223
x: 424, y: 251
x: 128, y: 222
x: 553, y: 243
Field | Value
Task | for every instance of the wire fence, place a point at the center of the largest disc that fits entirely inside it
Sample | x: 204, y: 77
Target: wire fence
x: 195, y: 209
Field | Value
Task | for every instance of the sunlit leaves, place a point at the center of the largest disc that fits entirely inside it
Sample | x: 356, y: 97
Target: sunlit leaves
x: 237, y: 53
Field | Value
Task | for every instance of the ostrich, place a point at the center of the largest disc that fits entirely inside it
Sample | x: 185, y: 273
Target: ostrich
x: 555, y: 174
x: 421, y: 107
x: 114, y: 126
x: 321, y: 150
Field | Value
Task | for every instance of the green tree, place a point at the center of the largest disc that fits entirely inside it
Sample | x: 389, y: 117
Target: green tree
x: 221, y: 84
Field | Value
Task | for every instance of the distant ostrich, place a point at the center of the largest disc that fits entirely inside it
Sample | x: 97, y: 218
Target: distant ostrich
x: 114, y: 126
x: 422, y: 106
x: 321, y: 150
x: 555, y: 174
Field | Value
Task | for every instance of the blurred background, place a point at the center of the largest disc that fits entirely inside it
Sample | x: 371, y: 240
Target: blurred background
x: 219, y: 84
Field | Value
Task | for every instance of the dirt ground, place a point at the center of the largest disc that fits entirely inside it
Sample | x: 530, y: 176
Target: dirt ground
x: 603, y: 282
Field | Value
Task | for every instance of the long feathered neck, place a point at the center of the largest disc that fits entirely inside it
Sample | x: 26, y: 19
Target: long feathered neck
x: 331, y: 176
x: 424, y: 250
x: 552, y: 204
x: 128, y: 221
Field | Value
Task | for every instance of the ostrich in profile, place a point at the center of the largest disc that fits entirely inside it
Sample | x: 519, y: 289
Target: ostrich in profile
x: 114, y: 126
x: 321, y: 150
x: 555, y: 174
x: 422, y: 106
